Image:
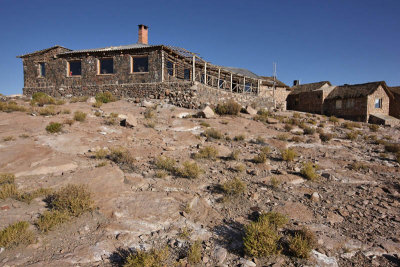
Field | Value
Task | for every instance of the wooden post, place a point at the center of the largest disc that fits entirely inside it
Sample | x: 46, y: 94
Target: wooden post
x: 258, y: 87
x: 231, y: 82
x: 194, y: 69
x: 244, y: 84
x: 205, y: 73
x: 219, y: 76
x: 162, y: 65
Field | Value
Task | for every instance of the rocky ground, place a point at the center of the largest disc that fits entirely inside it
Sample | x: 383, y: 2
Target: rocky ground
x: 353, y: 211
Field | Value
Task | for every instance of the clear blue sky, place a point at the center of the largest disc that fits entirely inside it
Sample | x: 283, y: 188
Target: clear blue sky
x: 343, y: 41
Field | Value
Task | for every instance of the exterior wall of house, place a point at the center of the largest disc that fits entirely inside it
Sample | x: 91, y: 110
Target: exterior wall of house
x: 306, y: 102
x: 394, y: 106
x: 56, y: 78
x: 351, y: 108
x: 281, y: 93
x: 378, y: 94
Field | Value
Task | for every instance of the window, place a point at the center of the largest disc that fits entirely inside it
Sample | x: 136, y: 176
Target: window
x: 378, y: 102
x: 42, y: 69
x: 247, y: 87
x: 140, y: 64
x: 350, y: 103
x: 186, y: 74
x: 74, y: 68
x: 106, y: 66
x: 220, y: 83
x: 338, y: 104
x: 170, y: 68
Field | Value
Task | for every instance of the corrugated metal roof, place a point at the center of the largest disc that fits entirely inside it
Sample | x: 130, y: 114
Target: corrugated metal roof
x: 43, y: 51
x: 241, y: 71
x: 308, y: 87
x: 109, y: 48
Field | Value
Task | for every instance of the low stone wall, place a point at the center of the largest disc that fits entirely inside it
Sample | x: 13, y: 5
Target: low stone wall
x: 182, y: 93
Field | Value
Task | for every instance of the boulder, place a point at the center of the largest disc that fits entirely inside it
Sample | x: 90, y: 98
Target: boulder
x: 272, y: 121
x: 91, y: 100
x: 220, y: 254
x: 127, y: 120
x: 207, y: 113
x: 147, y: 104
x: 251, y: 111
x: 315, y: 197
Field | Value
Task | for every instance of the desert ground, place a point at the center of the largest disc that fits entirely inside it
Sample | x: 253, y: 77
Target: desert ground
x: 146, y: 198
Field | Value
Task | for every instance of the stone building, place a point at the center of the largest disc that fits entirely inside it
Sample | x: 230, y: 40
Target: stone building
x: 137, y: 70
x: 275, y: 89
x: 359, y: 101
x: 394, y: 105
x: 309, y: 97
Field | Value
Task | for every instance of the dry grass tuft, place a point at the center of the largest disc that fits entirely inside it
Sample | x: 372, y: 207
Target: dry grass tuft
x: 54, y: 127
x: 16, y: 234
x: 212, y: 133
x: 234, y: 187
x: 228, y: 108
x: 207, y: 152
x: 308, y: 171
x: 189, y: 170
x: 80, y: 116
x: 301, y: 244
x: 165, y: 163
x: 194, y: 253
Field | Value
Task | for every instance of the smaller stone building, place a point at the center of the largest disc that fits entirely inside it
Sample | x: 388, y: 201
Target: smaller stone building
x: 275, y: 89
x: 309, y: 97
x: 358, y: 101
x: 394, y: 105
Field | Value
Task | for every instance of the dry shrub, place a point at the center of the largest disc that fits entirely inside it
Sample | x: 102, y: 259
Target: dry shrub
x: 66, y: 111
x: 79, y: 116
x: 288, y: 154
x: 275, y: 219
x: 42, y: 99
x: 76, y: 99
x: 282, y: 137
x: 101, y: 153
x: 297, y: 139
x: 325, y: 137
x: 7, y: 178
x: 260, y: 140
x: 54, y: 127
x: 261, y: 238
x: 189, y: 170
x: 392, y: 148
x: 352, y: 135
x: 151, y: 258
x: 165, y: 163
x: 71, y: 199
x: 8, y: 138
x: 8, y: 190
x: 194, y: 253
x: 260, y: 158
x: 356, y: 166
x: 47, y: 111
x: 351, y: 125
x: 234, y: 187
x: 398, y: 157
x: 105, y: 97
x: 27, y: 197
x: 234, y: 155
x: 239, y: 137
x: 150, y: 124
x: 207, y: 152
x: 161, y: 174
x: 16, y: 234
x: 149, y: 113
x: 333, y: 119
x: 309, y: 130
x: 212, y: 133
x: 239, y: 168
x: 288, y: 127
x: 275, y: 182
x: 301, y: 244
x: 228, y: 108
x: 110, y: 121
x: 11, y: 107
x: 50, y: 219
x: 308, y: 171
x: 373, y: 127
x: 122, y: 157
x: 97, y: 104
x: 69, y: 122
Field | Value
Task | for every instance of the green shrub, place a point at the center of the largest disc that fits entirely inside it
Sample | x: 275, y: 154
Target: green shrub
x: 308, y: 171
x: 54, y: 127
x: 275, y: 219
x: 288, y: 154
x: 42, y: 99
x: 309, y: 130
x: 195, y: 251
x: 393, y: 148
x: 16, y: 234
x: 234, y: 187
x: 7, y: 178
x: 261, y: 239
x: 207, y: 152
x: 152, y: 258
x: 8, y: 190
x: 165, y: 163
x: 71, y: 199
x: 79, y: 116
x: 105, y: 97
x: 212, y: 133
x: 50, y: 219
x: 189, y: 170
x: 239, y: 137
x: 301, y: 244
x: 325, y: 137
x: 228, y: 108
x: 47, y: 111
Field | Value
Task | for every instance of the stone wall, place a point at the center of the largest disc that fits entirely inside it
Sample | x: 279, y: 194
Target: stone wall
x: 358, y: 112
x: 281, y: 94
x: 394, y: 106
x: 306, y: 101
x: 380, y: 93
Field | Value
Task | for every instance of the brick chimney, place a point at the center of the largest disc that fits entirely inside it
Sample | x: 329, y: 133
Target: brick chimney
x: 143, y: 34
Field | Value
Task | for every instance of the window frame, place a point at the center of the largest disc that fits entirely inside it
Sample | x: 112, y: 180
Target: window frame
x: 168, y: 69
x: 185, y: 72
x: 40, y: 72
x: 380, y: 102
x: 337, y: 102
x: 69, y: 68
x: 133, y: 62
x: 99, y: 66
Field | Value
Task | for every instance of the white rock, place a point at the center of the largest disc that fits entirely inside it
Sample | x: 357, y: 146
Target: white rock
x: 220, y: 254
x: 251, y: 110
x: 322, y: 260
x: 128, y: 120
x: 207, y: 113
x: 246, y: 263
x: 315, y: 197
x: 147, y: 104
x: 91, y: 100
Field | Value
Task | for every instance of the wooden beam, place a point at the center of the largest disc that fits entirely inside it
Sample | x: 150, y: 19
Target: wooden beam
x: 205, y: 73
x: 231, y: 82
x: 162, y: 65
x: 219, y: 76
x: 244, y: 84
